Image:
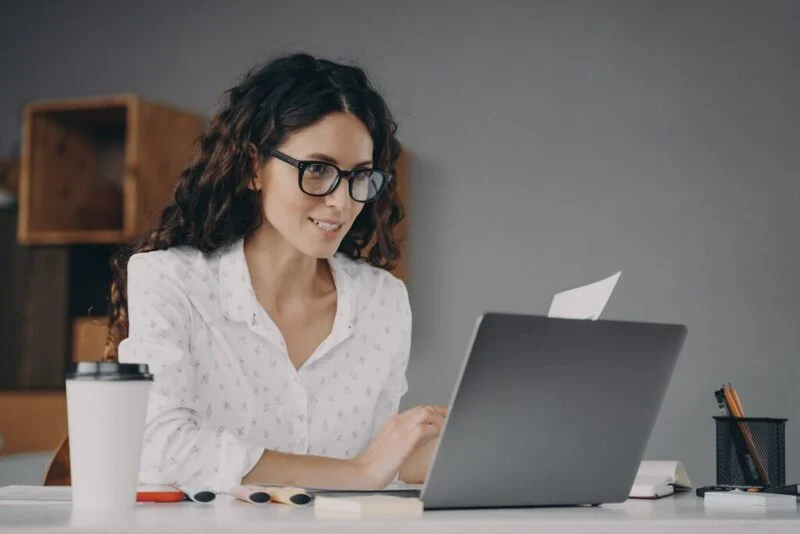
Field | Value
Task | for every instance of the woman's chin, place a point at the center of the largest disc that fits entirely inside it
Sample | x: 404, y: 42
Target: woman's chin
x: 320, y: 249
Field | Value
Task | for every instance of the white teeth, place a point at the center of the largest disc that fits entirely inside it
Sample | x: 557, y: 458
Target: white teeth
x: 328, y: 227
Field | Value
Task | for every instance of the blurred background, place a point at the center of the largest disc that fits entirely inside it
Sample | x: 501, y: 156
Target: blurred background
x: 549, y: 144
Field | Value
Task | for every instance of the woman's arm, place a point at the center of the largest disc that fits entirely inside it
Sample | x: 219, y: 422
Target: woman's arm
x: 307, y: 471
x: 180, y: 446
x: 375, y: 468
x: 415, y: 468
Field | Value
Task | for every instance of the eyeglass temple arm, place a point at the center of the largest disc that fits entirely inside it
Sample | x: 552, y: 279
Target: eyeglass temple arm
x: 283, y: 157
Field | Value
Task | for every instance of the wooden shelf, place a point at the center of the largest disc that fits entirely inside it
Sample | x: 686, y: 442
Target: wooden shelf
x: 99, y: 170
x: 32, y: 420
x: 9, y: 175
x: 76, y: 236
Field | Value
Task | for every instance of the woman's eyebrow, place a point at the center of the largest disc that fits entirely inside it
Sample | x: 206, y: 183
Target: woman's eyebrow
x: 329, y: 159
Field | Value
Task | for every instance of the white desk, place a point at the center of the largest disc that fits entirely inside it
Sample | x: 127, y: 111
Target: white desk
x: 684, y: 513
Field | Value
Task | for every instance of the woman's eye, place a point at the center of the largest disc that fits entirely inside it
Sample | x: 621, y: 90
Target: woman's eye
x: 318, y: 169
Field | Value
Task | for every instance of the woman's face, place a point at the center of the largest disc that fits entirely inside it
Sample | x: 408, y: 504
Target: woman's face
x: 315, y: 225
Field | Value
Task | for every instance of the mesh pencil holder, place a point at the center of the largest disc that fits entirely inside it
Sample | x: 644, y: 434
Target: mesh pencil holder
x: 751, y: 451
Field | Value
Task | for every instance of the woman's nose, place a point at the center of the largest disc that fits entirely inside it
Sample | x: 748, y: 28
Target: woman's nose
x: 340, y: 198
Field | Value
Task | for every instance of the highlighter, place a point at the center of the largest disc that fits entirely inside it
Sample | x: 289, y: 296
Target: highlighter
x: 159, y: 493
x: 197, y: 494
x: 251, y: 494
x: 288, y: 495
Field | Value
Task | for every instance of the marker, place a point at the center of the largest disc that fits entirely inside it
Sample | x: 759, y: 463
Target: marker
x: 160, y: 496
x: 252, y: 494
x: 286, y: 495
x: 197, y: 494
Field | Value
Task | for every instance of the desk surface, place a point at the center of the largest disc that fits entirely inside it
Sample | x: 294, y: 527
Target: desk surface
x: 683, y: 513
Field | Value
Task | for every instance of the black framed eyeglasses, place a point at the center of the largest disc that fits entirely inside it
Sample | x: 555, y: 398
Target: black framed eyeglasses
x: 321, y: 178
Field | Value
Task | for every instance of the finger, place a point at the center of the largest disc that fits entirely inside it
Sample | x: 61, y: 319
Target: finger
x: 417, y: 414
x: 413, y: 414
x: 436, y: 420
x: 428, y: 417
x: 443, y: 410
x: 430, y: 432
x: 434, y: 415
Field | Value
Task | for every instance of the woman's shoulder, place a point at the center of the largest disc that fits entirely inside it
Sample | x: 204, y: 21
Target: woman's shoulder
x: 173, y: 256
x: 180, y: 261
x: 373, y: 282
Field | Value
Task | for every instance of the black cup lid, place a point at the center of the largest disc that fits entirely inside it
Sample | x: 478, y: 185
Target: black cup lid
x: 108, y: 371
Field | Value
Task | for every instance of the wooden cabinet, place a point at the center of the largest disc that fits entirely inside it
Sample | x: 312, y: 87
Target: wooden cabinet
x: 47, y: 296
x: 99, y: 170
x: 94, y: 173
x: 33, y: 310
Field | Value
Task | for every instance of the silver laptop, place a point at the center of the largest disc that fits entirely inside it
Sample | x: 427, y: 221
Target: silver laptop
x: 551, y: 412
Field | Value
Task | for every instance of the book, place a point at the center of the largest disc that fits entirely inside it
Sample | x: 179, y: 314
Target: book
x: 659, y: 478
x: 327, y: 506
x: 737, y: 498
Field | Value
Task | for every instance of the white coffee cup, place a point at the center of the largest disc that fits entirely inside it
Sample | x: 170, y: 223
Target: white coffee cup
x: 106, y: 411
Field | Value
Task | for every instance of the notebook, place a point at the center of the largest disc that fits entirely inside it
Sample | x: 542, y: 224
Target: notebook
x: 659, y: 478
x: 330, y: 506
x: 737, y: 498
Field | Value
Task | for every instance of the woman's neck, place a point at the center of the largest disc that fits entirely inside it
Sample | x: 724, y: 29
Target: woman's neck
x: 282, y: 276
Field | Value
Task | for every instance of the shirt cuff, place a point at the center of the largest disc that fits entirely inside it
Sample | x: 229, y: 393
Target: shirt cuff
x: 237, y: 459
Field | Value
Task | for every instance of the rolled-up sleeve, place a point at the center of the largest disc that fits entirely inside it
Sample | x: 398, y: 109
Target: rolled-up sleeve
x: 180, y: 447
x: 396, y: 384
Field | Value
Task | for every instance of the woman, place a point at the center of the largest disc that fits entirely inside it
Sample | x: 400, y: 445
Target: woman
x: 262, y: 304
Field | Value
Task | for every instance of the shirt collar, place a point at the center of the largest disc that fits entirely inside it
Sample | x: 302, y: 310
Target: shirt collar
x: 239, y: 302
x: 236, y: 290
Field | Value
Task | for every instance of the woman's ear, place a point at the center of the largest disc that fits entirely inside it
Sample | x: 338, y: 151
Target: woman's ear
x: 255, y: 182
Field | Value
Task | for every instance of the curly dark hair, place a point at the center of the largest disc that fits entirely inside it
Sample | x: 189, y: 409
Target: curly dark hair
x: 213, y: 204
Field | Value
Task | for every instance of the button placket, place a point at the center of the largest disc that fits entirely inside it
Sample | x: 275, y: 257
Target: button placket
x: 301, y: 416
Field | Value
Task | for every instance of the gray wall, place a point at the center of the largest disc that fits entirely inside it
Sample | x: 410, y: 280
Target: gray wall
x: 553, y: 143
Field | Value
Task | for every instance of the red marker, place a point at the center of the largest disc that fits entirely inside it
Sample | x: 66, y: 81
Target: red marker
x: 159, y: 494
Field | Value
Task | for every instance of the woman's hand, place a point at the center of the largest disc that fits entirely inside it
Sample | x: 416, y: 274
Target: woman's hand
x: 396, y: 440
x: 415, y: 469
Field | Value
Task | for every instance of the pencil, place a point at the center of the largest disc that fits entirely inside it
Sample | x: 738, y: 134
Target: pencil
x: 748, y: 436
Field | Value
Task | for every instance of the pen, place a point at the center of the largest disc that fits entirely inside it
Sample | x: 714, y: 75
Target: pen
x: 252, y: 494
x: 791, y: 489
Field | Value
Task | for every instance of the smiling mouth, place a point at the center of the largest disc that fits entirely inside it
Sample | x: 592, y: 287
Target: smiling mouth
x: 327, y: 226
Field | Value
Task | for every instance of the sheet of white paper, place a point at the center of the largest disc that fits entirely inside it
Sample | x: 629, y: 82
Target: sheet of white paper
x: 585, y: 302
x: 35, y: 495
